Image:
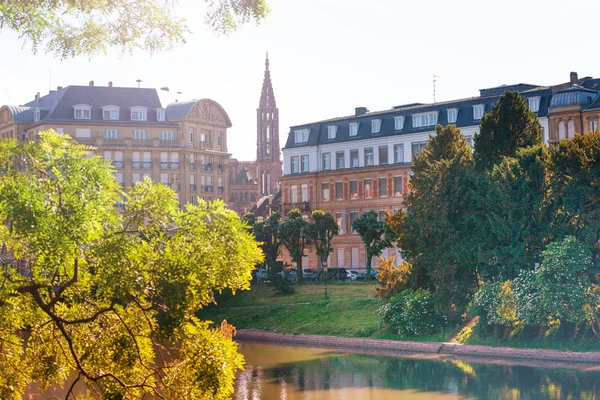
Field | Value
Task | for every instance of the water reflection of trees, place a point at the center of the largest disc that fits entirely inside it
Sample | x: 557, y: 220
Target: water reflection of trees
x: 481, y: 381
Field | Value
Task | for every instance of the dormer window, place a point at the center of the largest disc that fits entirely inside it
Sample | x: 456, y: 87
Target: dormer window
x: 353, y: 128
x: 534, y: 103
x: 36, y: 115
x: 139, y: 113
x: 478, y: 111
x: 301, y: 136
x: 110, y: 113
x: 452, y: 115
x: 82, y: 111
x: 399, y: 123
x: 375, y: 125
x: 331, y: 131
x: 425, y: 119
x: 160, y: 114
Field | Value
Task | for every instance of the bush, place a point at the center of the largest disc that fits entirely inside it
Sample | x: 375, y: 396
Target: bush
x: 282, y: 285
x: 412, y: 313
x: 391, y: 279
x: 494, y: 303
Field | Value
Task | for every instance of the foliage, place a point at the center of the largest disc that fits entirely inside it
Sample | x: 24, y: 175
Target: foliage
x: 294, y: 233
x: 495, y: 304
x: 511, y: 125
x: 392, y: 278
x: 267, y: 234
x: 103, y: 293
x: 282, y: 284
x: 321, y: 232
x: 68, y: 28
x: 412, y: 313
x: 374, y: 234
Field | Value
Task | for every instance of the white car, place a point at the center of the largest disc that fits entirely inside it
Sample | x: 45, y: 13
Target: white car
x: 350, y: 275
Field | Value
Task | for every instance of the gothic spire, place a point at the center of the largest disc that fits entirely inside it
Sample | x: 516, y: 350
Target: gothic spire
x: 267, y: 96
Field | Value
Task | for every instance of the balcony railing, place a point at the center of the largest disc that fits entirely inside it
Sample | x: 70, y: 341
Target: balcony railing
x: 221, y: 189
x: 192, y: 166
x: 207, y: 188
x: 164, y: 165
x: 220, y: 169
x: 175, y: 186
x: 118, y: 164
x: 136, y: 164
x: 207, y: 167
x: 147, y: 164
x: 192, y: 187
x: 174, y: 165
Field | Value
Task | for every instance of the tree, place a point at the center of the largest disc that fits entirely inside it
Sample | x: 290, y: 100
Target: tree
x: 511, y: 125
x: 294, y: 233
x: 374, y: 235
x: 322, y: 231
x: 111, y: 295
x: 267, y: 234
x: 68, y: 28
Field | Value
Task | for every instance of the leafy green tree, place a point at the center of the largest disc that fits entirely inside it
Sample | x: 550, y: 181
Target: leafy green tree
x: 68, y: 28
x: 294, y: 233
x: 110, y: 295
x: 321, y: 232
x: 374, y: 234
x: 511, y: 125
x: 267, y: 234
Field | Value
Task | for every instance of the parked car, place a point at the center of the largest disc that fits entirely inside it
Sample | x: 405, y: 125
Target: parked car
x: 337, y: 273
x: 350, y: 275
x: 291, y: 275
x: 309, y: 275
x: 261, y: 275
x: 363, y: 275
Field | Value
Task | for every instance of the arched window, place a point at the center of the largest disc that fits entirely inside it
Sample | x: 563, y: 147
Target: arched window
x: 562, y: 130
x: 571, y: 129
x: 253, y: 197
x: 246, y: 196
x: 268, y: 139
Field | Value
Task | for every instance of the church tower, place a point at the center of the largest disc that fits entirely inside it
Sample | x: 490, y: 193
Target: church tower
x: 268, y: 152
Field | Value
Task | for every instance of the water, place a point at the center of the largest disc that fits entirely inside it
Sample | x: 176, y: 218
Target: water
x: 295, y: 373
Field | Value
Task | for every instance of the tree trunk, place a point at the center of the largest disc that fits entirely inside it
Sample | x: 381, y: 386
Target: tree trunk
x: 299, y: 268
x: 368, y: 267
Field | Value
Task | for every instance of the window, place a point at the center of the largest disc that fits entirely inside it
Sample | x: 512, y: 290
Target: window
x: 425, y: 119
x: 381, y: 216
x: 295, y: 166
x: 398, y: 153
x: 399, y: 123
x: 353, y: 126
x: 58, y: 130
x: 304, y: 192
x: 383, y: 155
x: 147, y: 159
x: 452, y: 114
x: 562, y: 130
x: 108, y: 155
x: 218, y: 140
x: 36, y: 115
x: 301, y: 136
x: 135, y: 159
x: 534, y: 103
x: 110, y: 112
x: 339, y: 219
x: 174, y: 160
x: 340, y: 161
x: 191, y: 137
x: 398, y: 186
x: 164, y: 160
x: 478, y: 111
x: 160, y: 114
x: 353, y: 217
x: 593, y: 125
x: 137, y: 177
x: 571, y: 129
x: 139, y: 134
x: 418, y: 147
x: 293, y: 193
x: 339, y: 190
x: 469, y: 140
x: 325, y: 191
x: 382, y: 187
x: 138, y: 113
x: 331, y: 131
x: 167, y: 135
x: 353, y: 190
x: 369, y: 156
x: 118, y: 160
x: 111, y: 134
x: 375, y: 125
x: 353, y: 158
x: 304, y: 164
x: 326, y: 161
x: 82, y: 111
x: 368, y: 188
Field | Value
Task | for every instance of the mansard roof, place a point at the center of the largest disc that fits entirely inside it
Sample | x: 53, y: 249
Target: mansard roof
x: 318, y: 130
x: 574, y: 96
x: 203, y: 110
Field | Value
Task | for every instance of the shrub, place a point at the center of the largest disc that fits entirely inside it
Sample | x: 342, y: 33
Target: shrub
x: 392, y: 279
x: 282, y: 284
x: 494, y: 303
x: 412, y: 313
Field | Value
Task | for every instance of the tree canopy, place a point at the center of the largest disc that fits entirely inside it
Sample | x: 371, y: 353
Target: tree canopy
x: 68, y: 28
x: 111, y: 295
x: 294, y: 233
x: 322, y: 231
x: 374, y: 234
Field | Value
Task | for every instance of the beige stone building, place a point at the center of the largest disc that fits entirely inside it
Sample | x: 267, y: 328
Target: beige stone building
x: 183, y: 145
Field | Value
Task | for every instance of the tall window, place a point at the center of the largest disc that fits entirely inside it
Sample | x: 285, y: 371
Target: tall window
x: 160, y: 114
x: 293, y: 193
x: 534, y: 103
x: 478, y: 111
x: 375, y: 125
x: 369, y: 156
x: 140, y: 134
x: 382, y: 187
x: 118, y: 160
x: 295, y: 165
x: 164, y: 160
x: 339, y: 190
x: 326, y: 161
x: 593, y: 125
x: 135, y: 159
x: 147, y: 159
x: 331, y: 131
x: 562, y: 130
x: 339, y: 219
x: 340, y: 161
x: 353, y: 217
x: 398, y: 153
x: 399, y: 123
x: 325, y: 191
x: 418, y: 147
x: 167, y: 135
x: 174, y: 160
x: 353, y: 158
x: 383, y: 155
x: 353, y: 127
x: 304, y: 164
x: 452, y: 114
x: 111, y: 134
x: 469, y: 140
x: 353, y: 190
x: 571, y: 129
x: 368, y: 187
x: 398, y: 186
x: 304, y: 192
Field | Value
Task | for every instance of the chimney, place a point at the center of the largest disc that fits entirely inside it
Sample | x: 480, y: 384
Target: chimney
x: 91, y: 83
x: 37, y: 96
x: 58, y: 87
x: 573, y: 78
x: 110, y: 84
x: 360, y: 110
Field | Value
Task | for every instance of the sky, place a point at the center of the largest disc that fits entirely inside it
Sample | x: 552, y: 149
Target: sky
x: 329, y: 56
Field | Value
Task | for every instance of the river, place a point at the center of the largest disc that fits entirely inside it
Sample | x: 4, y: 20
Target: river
x: 298, y: 373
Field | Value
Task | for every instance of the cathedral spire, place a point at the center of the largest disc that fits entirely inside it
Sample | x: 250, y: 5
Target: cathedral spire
x: 267, y: 96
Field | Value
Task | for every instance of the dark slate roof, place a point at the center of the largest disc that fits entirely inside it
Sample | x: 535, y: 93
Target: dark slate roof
x: 498, y: 90
x: 593, y: 84
x: 58, y: 106
x: 318, y: 130
x: 180, y: 109
x: 21, y: 113
x: 575, y: 95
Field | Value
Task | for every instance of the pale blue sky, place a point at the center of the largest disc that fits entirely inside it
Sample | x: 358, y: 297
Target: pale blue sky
x: 328, y: 57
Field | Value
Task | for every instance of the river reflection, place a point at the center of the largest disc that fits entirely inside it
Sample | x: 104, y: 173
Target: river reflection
x: 296, y: 373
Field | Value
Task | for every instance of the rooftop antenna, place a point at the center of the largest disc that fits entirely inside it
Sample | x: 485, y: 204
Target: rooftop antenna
x: 434, y: 82
x: 138, y: 82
